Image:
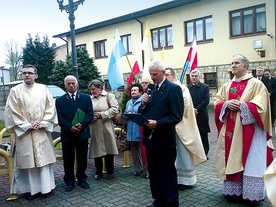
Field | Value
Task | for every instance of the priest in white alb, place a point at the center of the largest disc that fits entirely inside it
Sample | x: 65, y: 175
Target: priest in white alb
x: 30, y: 114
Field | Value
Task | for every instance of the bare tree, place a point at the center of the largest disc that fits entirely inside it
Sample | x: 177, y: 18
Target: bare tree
x: 13, y: 58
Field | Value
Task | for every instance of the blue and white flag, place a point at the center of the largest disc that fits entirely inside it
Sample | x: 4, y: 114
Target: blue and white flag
x: 115, y: 73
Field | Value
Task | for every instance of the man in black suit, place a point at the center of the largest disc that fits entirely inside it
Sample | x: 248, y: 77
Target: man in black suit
x: 201, y: 97
x: 260, y: 75
x: 163, y: 107
x: 74, y: 137
x: 271, y: 87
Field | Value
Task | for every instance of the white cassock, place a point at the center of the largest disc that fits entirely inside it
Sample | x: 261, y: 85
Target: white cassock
x: 32, y: 150
x: 190, y: 151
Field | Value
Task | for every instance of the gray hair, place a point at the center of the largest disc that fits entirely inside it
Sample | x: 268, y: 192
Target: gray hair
x: 244, y: 60
x: 172, y: 71
x: 160, y: 65
x: 70, y: 76
x: 195, y: 71
x: 97, y: 83
x: 261, y: 67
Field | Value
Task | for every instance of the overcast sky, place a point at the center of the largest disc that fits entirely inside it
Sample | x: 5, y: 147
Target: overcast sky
x: 43, y: 17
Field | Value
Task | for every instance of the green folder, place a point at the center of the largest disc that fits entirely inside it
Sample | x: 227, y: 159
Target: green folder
x: 79, y: 117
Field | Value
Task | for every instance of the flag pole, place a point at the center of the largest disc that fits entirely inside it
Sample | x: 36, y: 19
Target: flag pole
x: 131, y: 70
x: 128, y: 62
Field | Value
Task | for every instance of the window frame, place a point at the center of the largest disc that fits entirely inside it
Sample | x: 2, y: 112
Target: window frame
x: 189, y: 37
x: 104, y: 42
x: 166, y: 44
x: 108, y: 88
x: 81, y: 46
x: 127, y: 45
x: 207, y: 79
x: 241, y: 22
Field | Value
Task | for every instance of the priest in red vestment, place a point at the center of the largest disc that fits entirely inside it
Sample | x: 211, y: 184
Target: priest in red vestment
x: 244, y: 147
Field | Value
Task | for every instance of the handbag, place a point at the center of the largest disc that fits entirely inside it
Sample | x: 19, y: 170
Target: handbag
x: 117, y: 119
x: 121, y: 141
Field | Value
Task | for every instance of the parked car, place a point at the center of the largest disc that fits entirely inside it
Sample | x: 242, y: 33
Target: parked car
x: 56, y: 91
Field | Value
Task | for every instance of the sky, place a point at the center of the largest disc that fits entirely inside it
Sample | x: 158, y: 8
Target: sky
x: 18, y: 18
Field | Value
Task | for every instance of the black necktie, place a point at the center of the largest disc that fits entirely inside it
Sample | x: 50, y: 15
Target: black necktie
x: 73, y: 96
x: 156, y: 87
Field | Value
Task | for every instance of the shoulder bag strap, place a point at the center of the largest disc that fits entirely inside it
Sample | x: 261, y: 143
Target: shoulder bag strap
x: 108, y: 100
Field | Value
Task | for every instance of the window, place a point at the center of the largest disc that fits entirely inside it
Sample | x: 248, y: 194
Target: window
x: 248, y: 21
x: 253, y: 72
x: 81, y: 46
x: 108, y: 88
x: 202, y: 28
x: 100, y: 49
x: 188, y: 80
x: 210, y: 79
x: 162, y: 37
x: 126, y: 39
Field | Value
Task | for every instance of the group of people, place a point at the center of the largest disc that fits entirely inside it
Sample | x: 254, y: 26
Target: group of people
x: 31, y: 113
x: 264, y: 75
x: 174, y: 139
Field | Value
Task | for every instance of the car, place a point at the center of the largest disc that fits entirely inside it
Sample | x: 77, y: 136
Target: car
x: 56, y: 91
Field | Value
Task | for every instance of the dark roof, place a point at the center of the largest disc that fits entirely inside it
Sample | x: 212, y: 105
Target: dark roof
x: 131, y: 16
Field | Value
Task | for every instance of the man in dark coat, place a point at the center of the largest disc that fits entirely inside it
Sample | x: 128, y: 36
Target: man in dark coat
x: 74, y: 136
x: 271, y: 87
x: 164, y: 109
x: 260, y: 76
x: 201, y: 97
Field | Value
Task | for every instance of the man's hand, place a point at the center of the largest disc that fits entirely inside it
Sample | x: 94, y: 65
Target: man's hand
x: 35, y: 125
x: 145, y: 98
x: 75, y: 129
x: 151, y: 124
x: 196, y: 111
x: 233, y: 105
x: 79, y: 126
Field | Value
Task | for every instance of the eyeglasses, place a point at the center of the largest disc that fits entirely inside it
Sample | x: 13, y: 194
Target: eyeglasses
x: 145, y: 82
x: 28, y: 73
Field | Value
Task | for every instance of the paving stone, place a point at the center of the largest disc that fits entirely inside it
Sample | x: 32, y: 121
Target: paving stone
x: 126, y: 190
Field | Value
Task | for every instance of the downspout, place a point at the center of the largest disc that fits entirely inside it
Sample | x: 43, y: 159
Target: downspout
x: 274, y: 26
x: 217, y: 81
x: 66, y: 44
x: 142, y: 33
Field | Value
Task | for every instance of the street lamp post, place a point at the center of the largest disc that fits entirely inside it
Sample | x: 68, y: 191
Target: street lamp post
x: 70, y: 8
x: 3, y: 82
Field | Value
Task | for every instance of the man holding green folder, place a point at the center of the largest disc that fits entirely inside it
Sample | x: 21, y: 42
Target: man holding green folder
x: 75, y: 112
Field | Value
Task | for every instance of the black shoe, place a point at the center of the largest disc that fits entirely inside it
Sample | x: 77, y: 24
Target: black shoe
x: 110, y: 176
x: 234, y: 198
x: 69, y: 187
x: 146, y: 175
x: 98, y: 176
x: 83, y: 185
x: 182, y: 187
x: 137, y: 173
x: 28, y: 196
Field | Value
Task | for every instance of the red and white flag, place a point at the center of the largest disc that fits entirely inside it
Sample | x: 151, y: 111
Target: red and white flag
x: 191, y: 61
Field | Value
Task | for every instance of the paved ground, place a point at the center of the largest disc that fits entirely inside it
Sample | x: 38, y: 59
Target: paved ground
x: 126, y: 190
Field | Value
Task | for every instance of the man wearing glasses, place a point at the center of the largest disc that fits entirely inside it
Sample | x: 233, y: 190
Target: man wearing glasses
x: 30, y: 114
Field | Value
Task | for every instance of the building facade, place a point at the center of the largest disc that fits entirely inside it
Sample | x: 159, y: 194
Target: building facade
x: 222, y: 28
